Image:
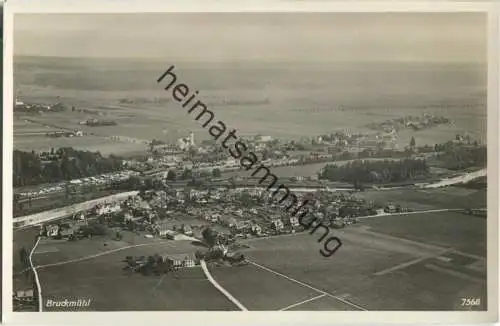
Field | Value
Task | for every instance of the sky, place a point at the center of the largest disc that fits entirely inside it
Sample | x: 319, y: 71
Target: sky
x: 421, y: 37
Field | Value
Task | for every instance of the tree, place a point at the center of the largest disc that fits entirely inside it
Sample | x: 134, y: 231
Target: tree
x: 171, y: 175
x: 216, y: 173
x: 232, y: 182
x: 67, y: 191
x: 209, y: 236
x: 187, y: 174
x: 412, y: 142
x: 246, y: 198
x: 16, y: 202
x: 265, y: 154
x: 199, y: 255
x: 118, y: 236
x: 24, y: 257
x: 358, y: 185
x: 204, y: 174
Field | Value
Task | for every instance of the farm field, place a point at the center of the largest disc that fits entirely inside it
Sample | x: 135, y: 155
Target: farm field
x: 421, y: 199
x: 380, y: 260
x: 99, y: 279
x: 98, y: 276
x: 90, y: 143
x: 22, y: 238
x: 375, y: 267
x: 51, y: 252
x: 463, y: 232
x: 23, y: 127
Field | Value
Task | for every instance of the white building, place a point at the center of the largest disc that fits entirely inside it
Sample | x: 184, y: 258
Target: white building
x: 294, y: 221
x: 186, y: 142
x: 278, y: 225
x: 52, y: 230
x: 108, y: 209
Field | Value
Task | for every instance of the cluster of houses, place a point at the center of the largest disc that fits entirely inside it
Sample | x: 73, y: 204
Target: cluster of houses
x: 24, y: 300
x: 240, y: 212
x: 161, y: 263
x: 56, y: 134
x: 21, y: 106
x: 96, y: 122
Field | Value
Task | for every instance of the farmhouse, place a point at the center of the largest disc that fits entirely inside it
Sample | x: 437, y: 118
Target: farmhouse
x: 66, y: 233
x: 25, y: 295
x: 181, y: 260
x: 241, y: 226
x: 390, y: 209
x: 256, y: 229
x: 52, y: 230
x: 107, y: 209
x: 277, y: 225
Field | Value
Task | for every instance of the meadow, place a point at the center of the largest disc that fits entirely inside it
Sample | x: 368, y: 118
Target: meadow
x: 99, y: 280
x: 423, y: 199
x: 383, y: 260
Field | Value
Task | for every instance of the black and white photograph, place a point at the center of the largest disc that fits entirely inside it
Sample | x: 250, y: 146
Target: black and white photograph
x: 250, y: 161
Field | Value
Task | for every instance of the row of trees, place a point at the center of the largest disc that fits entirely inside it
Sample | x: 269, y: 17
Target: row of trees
x: 30, y: 168
x: 375, y: 171
x: 457, y: 158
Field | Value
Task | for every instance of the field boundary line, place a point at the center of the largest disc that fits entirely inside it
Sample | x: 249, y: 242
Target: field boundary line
x: 465, y: 254
x: 219, y: 287
x: 413, y: 212
x: 99, y: 254
x: 367, y: 231
x: 308, y: 286
x: 411, y: 262
x: 37, y: 279
x: 302, y: 302
x: 461, y: 275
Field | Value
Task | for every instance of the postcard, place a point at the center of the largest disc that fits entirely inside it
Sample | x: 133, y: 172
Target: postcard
x: 274, y: 163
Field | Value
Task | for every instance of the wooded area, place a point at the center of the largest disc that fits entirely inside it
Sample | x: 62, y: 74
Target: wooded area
x: 30, y: 168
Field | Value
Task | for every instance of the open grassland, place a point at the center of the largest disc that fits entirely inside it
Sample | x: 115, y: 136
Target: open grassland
x: 381, y: 271
x: 60, y: 251
x: 460, y: 231
x: 90, y: 271
x: 258, y: 289
x: 111, y: 289
x: 26, y: 239
x: 90, y: 143
x: 422, y: 199
x: 25, y: 128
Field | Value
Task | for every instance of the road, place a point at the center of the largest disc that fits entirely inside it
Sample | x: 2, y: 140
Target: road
x: 459, y: 179
x: 37, y: 279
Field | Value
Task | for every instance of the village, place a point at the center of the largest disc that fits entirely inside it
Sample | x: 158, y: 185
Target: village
x: 232, y: 214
